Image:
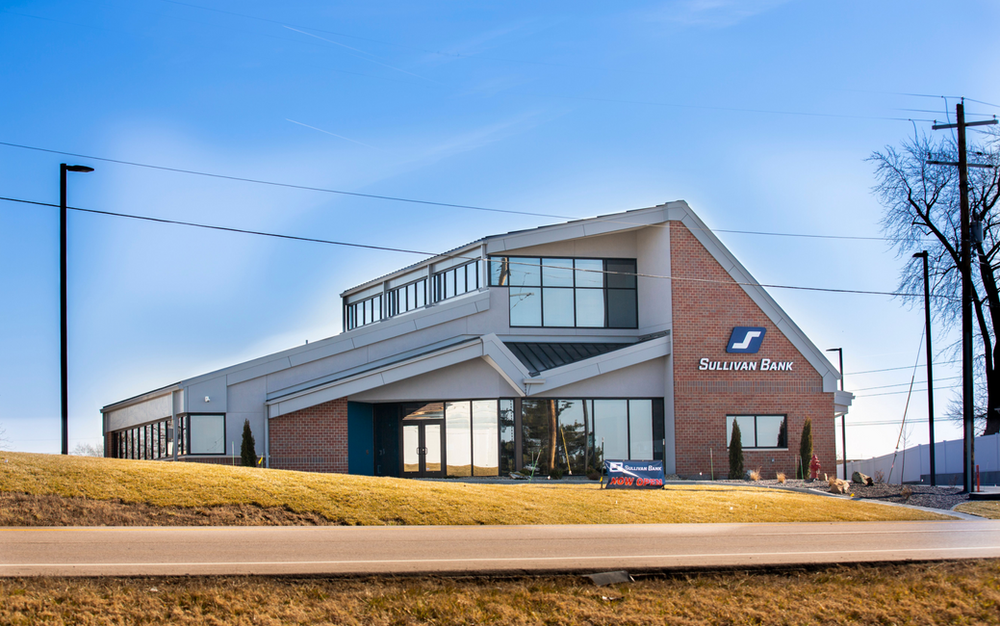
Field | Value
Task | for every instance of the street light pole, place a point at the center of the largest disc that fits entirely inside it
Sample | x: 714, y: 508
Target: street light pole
x: 63, y: 325
x: 930, y: 374
x: 843, y: 418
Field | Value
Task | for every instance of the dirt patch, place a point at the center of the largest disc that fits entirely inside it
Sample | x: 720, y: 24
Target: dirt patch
x: 20, y: 509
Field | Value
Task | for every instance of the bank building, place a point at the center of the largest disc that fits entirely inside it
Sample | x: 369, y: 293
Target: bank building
x: 635, y: 335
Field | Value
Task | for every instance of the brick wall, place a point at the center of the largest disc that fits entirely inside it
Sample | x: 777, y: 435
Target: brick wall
x: 704, y: 314
x: 311, y: 440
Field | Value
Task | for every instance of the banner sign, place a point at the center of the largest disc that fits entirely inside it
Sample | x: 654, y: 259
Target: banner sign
x: 634, y: 474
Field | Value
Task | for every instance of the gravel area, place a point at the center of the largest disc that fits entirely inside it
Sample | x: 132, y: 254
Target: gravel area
x: 921, y: 495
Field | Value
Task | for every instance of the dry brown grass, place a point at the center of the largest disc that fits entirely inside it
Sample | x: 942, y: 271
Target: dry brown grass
x: 990, y: 509
x: 755, y: 475
x: 965, y: 592
x: 780, y: 477
x: 362, y: 500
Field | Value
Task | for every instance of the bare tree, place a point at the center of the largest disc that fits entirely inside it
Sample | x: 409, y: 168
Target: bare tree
x: 922, y: 211
x: 4, y: 442
x: 88, y: 449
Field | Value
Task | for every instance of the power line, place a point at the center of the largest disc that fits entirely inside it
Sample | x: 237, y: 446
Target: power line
x: 397, y: 198
x: 895, y: 393
x: 277, y: 184
x: 802, y: 235
x: 981, y: 102
x: 905, y: 367
x: 245, y: 231
x: 887, y: 423
x: 231, y: 229
x: 904, y: 384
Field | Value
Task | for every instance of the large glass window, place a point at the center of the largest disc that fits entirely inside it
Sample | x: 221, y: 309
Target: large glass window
x: 640, y: 431
x: 571, y: 439
x: 576, y: 434
x: 507, y: 449
x: 458, y: 437
x: 474, y: 437
x: 208, y: 434
x: 611, y: 428
x: 759, y: 431
x: 568, y: 293
x: 485, y: 452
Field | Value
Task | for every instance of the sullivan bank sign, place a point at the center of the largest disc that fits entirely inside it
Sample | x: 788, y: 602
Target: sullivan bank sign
x: 745, y: 340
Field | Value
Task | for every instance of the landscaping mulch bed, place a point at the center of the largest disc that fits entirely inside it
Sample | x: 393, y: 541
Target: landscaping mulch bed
x: 943, y: 498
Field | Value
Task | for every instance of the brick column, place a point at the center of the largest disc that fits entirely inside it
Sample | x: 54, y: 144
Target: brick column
x: 311, y: 440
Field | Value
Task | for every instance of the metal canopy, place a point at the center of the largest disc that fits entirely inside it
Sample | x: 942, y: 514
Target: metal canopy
x: 539, y: 357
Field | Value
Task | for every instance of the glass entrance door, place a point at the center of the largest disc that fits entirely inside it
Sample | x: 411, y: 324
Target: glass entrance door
x: 422, y: 448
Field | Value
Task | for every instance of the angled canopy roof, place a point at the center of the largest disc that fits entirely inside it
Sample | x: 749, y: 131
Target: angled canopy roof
x: 541, y: 356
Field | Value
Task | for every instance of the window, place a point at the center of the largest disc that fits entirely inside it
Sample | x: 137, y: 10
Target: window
x: 149, y: 441
x: 407, y: 298
x: 759, y: 431
x: 456, y: 281
x: 473, y: 436
x: 207, y: 433
x: 507, y: 445
x: 568, y: 293
x: 576, y: 434
x: 363, y: 312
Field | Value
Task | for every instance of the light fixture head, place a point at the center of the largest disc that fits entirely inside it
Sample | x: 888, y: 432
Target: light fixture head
x: 79, y: 168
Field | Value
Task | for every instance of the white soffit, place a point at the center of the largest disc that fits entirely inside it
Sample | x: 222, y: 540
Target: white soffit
x: 590, y: 227
x: 384, y: 375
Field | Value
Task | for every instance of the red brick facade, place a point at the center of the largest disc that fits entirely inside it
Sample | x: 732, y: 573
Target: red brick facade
x: 311, y: 440
x: 704, y: 315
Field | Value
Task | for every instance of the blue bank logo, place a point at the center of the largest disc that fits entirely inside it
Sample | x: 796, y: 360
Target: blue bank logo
x: 746, y: 339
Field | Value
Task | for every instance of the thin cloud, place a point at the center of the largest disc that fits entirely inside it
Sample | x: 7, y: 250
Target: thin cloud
x: 712, y: 13
x: 360, y: 143
x: 362, y: 52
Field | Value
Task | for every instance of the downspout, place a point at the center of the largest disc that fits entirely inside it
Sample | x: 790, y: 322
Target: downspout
x: 267, y: 437
x: 173, y: 420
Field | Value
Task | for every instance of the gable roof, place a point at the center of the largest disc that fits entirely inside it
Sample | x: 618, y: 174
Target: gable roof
x: 678, y: 211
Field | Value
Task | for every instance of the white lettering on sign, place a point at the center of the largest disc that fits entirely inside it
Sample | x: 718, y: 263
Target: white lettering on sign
x: 765, y: 365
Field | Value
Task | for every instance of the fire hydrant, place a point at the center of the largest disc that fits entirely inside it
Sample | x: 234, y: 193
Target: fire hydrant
x: 814, y: 467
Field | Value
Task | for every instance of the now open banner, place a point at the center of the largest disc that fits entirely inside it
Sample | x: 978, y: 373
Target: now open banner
x: 634, y: 474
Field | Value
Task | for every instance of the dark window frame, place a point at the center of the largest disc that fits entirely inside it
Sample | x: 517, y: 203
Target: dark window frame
x: 438, y: 291
x: 187, y: 445
x: 733, y: 416
x: 504, y: 281
x: 657, y: 413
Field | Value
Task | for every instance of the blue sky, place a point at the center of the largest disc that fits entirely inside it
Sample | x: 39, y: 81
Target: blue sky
x: 760, y: 114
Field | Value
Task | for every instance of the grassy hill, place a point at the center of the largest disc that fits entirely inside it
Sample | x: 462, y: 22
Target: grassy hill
x: 41, y: 489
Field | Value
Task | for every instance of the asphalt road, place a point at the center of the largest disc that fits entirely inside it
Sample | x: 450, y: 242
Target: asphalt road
x: 479, y: 549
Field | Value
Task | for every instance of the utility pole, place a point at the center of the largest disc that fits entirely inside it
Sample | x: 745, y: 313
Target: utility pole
x: 965, y: 268
x: 930, y: 375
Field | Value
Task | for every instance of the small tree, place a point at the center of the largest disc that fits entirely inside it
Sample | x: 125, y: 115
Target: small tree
x: 248, y: 453
x: 805, y: 447
x: 736, y: 453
